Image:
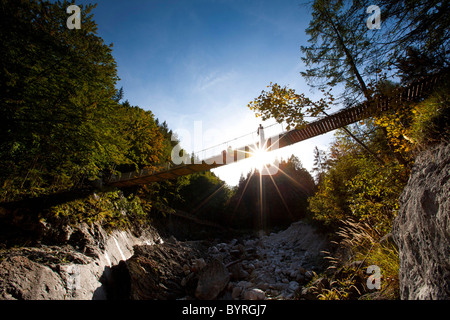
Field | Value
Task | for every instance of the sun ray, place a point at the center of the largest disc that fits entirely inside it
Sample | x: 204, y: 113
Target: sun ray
x: 261, y: 157
x: 207, y: 199
x: 294, y: 181
x: 242, y: 194
x: 281, y: 196
x: 261, y: 203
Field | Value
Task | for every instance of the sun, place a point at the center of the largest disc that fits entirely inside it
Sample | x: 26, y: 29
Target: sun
x: 261, y: 158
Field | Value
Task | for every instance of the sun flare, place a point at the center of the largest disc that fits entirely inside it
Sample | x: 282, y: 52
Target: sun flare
x: 261, y: 158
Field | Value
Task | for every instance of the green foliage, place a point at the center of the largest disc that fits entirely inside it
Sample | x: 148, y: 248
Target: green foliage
x: 374, y: 193
x: 143, y: 136
x: 112, y: 209
x: 162, y: 196
x: 284, y: 105
x: 204, y: 196
x: 353, y: 184
x: 331, y: 203
x: 61, y: 121
x: 431, y: 121
x: 55, y: 108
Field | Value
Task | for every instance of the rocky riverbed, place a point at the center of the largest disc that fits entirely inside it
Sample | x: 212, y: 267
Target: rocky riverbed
x: 271, y: 266
x: 274, y: 266
x: 122, y: 266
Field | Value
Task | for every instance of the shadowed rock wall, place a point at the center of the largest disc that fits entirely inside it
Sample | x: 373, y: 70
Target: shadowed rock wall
x: 422, y: 228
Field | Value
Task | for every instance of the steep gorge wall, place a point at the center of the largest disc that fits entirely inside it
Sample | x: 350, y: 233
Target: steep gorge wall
x: 80, y: 269
x: 422, y: 227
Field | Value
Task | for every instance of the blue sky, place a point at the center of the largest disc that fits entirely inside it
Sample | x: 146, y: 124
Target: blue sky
x: 204, y: 60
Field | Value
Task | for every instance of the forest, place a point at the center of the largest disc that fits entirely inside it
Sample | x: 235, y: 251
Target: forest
x: 65, y: 125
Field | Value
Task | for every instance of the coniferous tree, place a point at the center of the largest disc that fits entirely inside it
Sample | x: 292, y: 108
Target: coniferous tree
x: 61, y: 124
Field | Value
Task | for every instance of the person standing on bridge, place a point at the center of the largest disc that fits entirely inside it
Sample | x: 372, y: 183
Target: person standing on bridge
x: 262, y: 140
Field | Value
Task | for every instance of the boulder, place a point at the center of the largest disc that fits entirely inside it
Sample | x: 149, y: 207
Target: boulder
x: 198, y: 264
x: 237, y: 272
x: 212, y: 280
x: 21, y: 278
x: 81, y: 268
x: 157, y: 272
x: 235, y: 294
x: 254, y: 294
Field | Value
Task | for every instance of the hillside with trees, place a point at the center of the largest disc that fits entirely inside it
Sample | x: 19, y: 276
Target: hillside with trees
x: 362, y: 175
x: 66, y: 129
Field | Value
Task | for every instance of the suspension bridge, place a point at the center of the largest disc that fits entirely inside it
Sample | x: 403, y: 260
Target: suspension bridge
x: 411, y: 93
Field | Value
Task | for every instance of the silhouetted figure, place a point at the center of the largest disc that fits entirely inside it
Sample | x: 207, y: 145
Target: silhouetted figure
x: 262, y: 140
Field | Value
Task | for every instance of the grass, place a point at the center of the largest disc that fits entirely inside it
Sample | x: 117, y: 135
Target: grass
x: 361, y: 246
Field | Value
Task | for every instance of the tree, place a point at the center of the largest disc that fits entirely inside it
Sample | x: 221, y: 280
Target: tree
x: 145, y: 141
x: 272, y: 200
x: 320, y: 164
x: 205, y: 196
x: 285, y: 105
x: 353, y: 186
x: 343, y: 51
x: 419, y: 45
x: 61, y: 121
x: 341, y: 48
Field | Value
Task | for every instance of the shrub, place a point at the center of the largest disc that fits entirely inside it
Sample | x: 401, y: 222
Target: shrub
x: 112, y: 209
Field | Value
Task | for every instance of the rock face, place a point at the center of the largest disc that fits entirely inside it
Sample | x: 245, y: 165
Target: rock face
x: 30, y: 280
x: 422, y: 228
x: 78, y: 269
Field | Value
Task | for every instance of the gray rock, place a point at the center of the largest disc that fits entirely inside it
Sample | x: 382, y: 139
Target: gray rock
x: 293, y: 286
x: 71, y: 272
x: 212, y: 280
x: 245, y: 284
x: 237, y: 272
x: 198, y: 264
x: 236, y: 293
x: 254, y: 294
x: 21, y: 278
x: 213, y: 250
x: 422, y: 228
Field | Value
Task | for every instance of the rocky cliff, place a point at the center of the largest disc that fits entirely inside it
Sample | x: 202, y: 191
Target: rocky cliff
x: 422, y: 228
x: 80, y: 268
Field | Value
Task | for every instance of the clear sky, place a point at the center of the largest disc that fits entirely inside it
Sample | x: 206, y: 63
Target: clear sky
x: 203, y: 61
